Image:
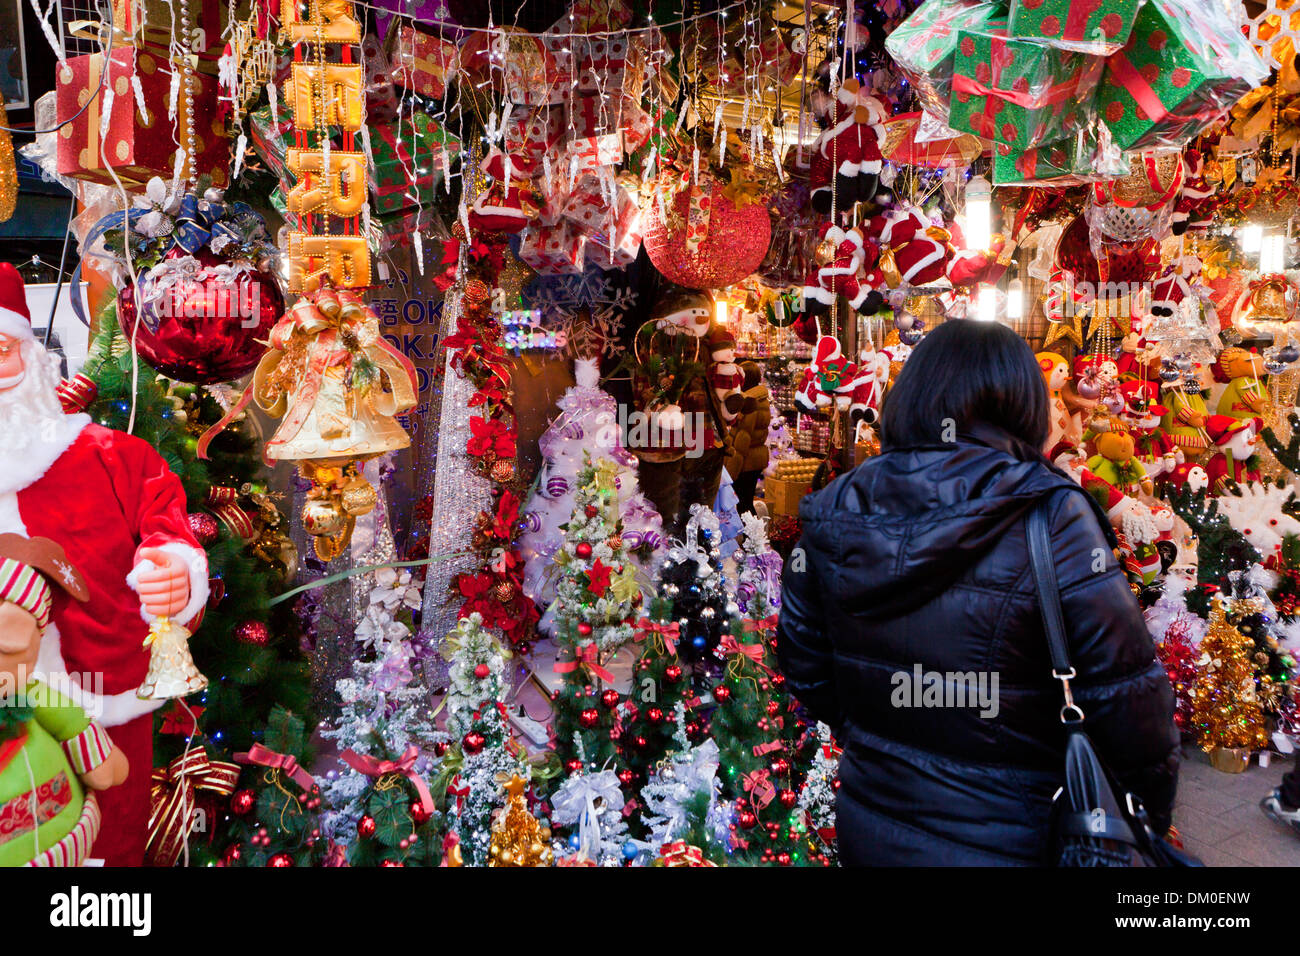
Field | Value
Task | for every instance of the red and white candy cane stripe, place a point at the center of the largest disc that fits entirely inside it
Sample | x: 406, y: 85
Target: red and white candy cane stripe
x: 88, y: 749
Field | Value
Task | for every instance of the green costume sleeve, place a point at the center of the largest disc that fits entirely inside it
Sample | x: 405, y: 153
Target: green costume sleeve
x: 60, y: 717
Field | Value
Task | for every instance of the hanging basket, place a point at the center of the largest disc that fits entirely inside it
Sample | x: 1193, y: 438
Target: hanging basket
x: 709, y: 243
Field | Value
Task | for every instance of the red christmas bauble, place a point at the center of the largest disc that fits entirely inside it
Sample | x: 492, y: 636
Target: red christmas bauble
x: 589, y: 718
x: 242, y: 802
x: 419, y: 813
x: 366, y: 827
x: 747, y: 820
x: 481, y: 671
x: 654, y: 715
x: 673, y: 672
x: 694, y: 730
x: 732, y: 246
x: 572, y: 766
x: 591, y: 511
x: 584, y: 629
x: 583, y: 550
x: 204, y: 527
x: 783, y: 859
x: 773, y: 706
x: 253, y: 632
x: 280, y: 860
x: 204, y: 328
x: 440, y: 748
x: 473, y: 742
x: 780, y: 766
x: 722, y: 694
x: 788, y: 798
x: 626, y: 776
x: 391, y: 863
x: 609, y: 698
x: 232, y: 855
x: 640, y: 743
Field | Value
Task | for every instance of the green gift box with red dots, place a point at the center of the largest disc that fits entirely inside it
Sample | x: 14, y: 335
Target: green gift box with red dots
x: 925, y: 43
x: 1020, y: 92
x: 1086, y: 156
x: 1099, y: 27
x: 1184, y: 65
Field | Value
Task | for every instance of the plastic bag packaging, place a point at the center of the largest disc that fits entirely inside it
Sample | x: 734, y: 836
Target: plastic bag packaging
x: 1089, y: 155
x: 925, y: 45
x: 1096, y: 28
x: 1185, y: 64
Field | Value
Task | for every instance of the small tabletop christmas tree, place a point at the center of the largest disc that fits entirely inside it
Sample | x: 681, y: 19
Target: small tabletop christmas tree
x: 1226, y: 709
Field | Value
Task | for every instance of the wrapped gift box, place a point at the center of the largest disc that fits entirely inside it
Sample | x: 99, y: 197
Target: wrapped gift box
x: 925, y: 44
x: 1019, y: 92
x: 1183, y: 67
x: 1081, y: 158
x: 529, y: 135
x: 151, y: 25
x: 138, y: 145
x: 1087, y: 27
x: 529, y: 69
x: 605, y: 211
x: 421, y: 63
x: 553, y: 250
x: 408, y: 167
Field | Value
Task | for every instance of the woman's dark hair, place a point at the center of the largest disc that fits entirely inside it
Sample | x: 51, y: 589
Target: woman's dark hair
x: 963, y: 372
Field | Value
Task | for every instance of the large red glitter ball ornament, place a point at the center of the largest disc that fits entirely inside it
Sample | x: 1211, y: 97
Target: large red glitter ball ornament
x: 583, y: 550
x: 280, y: 860
x: 366, y: 827
x: 202, y: 328
x: 473, y: 742
x: 732, y: 246
x: 204, y: 527
x: 609, y: 698
x: 254, y: 633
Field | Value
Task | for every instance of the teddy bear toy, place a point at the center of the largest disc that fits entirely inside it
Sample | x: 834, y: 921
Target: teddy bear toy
x: 847, y: 154
x: 1234, y: 458
x: 1241, y: 371
x: 52, y: 756
x: 1116, y: 464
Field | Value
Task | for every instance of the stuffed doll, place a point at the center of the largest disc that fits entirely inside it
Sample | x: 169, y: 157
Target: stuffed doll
x: 687, y: 385
x: 1184, y: 420
x: 873, y: 376
x: 1187, y: 475
x: 1116, y: 464
x: 509, y: 203
x: 842, y: 255
x: 1056, y: 374
x: 913, y: 250
x: 118, y: 511
x: 1242, y: 372
x: 1081, y: 396
x: 1154, y: 449
x: 1234, y: 458
x: 830, y: 380
x: 51, y: 753
x: 848, y: 152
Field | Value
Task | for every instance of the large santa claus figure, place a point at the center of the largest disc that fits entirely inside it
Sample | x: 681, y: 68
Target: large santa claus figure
x: 110, y: 500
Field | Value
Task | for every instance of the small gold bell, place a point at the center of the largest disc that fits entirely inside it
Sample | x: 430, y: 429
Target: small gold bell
x: 358, y: 497
x: 172, y: 672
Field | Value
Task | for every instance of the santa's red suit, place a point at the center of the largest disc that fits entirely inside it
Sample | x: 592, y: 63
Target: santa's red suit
x: 103, y: 495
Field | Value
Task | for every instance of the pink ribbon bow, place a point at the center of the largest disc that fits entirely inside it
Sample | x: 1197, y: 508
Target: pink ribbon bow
x: 287, y: 764
x: 586, y: 656
x: 405, y: 766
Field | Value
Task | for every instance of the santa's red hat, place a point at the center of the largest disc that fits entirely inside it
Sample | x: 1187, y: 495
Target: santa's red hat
x: 15, y: 320
x: 1221, y: 428
x: 1141, y: 397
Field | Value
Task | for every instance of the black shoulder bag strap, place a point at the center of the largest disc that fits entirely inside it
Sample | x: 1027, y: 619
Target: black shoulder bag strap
x: 1049, y: 604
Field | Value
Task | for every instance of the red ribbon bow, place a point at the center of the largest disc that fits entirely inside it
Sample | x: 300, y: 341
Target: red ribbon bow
x: 587, y: 656
x: 405, y: 766
x: 753, y: 652
x: 668, y: 633
x: 287, y: 764
x: 759, y: 787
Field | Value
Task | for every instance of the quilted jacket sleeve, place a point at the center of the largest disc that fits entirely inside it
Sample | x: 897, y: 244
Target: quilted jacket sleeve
x: 803, y: 645
x: 1122, y: 688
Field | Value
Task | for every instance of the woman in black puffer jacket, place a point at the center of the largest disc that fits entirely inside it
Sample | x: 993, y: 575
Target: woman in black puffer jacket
x: 916, y: 563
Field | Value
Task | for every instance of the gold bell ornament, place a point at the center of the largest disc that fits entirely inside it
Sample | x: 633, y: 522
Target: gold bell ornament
x: 1267, y: 305
x: 337, y: 385
x: 172, y: 672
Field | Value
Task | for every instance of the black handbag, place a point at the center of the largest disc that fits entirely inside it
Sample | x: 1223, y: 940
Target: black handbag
x: 1094, y: 822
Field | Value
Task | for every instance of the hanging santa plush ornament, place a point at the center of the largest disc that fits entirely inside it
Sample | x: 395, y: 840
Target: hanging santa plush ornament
x: 830, y: 380
x: 969, y: 268
x: 1234, y: 458
x: 509, y: 203
x: 1197, y: 200
x: 913, y: 250
x: 841, y: 259
x: 873, y: 376
x: 110, y: 501
x: 847, y: 154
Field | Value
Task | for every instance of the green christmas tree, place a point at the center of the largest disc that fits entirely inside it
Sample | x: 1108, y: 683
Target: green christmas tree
x: 596, y: 599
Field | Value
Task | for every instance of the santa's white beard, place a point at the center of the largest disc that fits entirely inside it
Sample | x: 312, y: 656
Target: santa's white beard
x: 29, y: 411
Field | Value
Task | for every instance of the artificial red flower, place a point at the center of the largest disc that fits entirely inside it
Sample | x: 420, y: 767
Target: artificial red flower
x: 490, y: 435
x: 598, y: 578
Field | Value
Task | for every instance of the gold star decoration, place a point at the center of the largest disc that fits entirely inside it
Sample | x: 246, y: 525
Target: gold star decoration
x: 1071, y: 329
